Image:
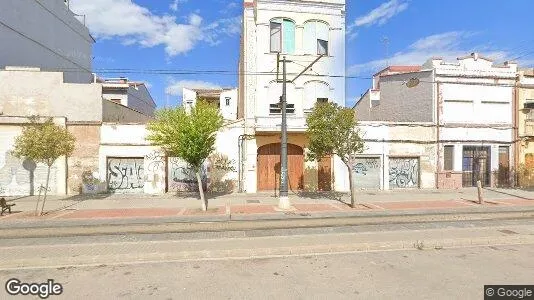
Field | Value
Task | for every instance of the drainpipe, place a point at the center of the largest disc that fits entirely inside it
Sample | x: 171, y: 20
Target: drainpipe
x: 240, y: 166
x: 515, y: 131
x: 438, y: 110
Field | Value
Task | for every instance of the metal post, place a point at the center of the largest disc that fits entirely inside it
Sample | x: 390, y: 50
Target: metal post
x: 284, y: 199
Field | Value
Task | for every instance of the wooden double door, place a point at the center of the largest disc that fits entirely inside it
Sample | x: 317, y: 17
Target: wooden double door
x: 269, y: 167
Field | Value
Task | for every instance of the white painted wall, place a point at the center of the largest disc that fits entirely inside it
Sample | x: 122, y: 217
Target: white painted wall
x: 229, y: 112
x: 14, y: 173
x: 257, y: 50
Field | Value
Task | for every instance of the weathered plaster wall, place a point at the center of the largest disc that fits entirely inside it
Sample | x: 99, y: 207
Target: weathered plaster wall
x: 30, y: 92
x: 84, y: 160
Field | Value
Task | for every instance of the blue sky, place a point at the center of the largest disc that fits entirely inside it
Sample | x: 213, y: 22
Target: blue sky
x: 194, y: 35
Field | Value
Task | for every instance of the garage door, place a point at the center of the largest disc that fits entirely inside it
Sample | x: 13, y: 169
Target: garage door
x: 403, y: 173
x: 125, y: 175
x: 367, y: 173
x: 269, y: 167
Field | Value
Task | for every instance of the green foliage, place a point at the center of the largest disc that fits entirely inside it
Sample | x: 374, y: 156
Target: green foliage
x: 189, y: 136
x: 332, y: 131
x: 44, y: 142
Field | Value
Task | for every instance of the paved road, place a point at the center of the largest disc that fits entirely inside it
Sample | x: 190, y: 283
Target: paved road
x: 433, y: 274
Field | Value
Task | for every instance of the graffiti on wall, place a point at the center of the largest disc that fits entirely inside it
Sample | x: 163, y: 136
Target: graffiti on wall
x: 126, y: 175
x: 182, y: 178
x: 367, y: 173
x: 19, y: 177
x: 404, y: 172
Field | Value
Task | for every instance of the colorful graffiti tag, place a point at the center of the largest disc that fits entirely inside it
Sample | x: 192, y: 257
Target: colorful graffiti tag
x: 126, y: 175
x: 403, y: 173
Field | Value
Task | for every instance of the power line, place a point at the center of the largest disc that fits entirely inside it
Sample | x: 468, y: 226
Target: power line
x: 49, y: 49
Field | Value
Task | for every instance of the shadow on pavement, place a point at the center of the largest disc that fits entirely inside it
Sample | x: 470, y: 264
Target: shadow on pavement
x: 504, y: 193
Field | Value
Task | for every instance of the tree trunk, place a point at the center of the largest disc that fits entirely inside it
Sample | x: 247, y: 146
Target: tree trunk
x: 201, y: 191
x: 38, y: 200
x: 46, y: 189
x: 351, y: 184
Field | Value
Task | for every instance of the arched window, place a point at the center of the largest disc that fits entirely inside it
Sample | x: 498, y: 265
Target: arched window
x: 316, y: 35
x: 282, y: 36
x: 315, y: 91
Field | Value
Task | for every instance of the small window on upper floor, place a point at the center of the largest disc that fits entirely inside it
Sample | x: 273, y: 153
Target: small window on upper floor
x: 282, y: 36
x: 227, y: 99
x: 316, y: 37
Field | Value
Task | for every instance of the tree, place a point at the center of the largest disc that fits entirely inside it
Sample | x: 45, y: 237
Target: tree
x: 332, y: 130
x: 188, y: 135
x: 43, y: 142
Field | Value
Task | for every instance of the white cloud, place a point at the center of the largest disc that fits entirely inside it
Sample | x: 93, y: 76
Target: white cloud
x: 379, y: 15
x: 175, y: 88
x: 135, y: 24
x: 448, y: 45
x: 382, y: 13
x: 174, y: 5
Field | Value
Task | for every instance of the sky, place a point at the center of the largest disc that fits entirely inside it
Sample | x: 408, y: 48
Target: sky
x: 179, y: 36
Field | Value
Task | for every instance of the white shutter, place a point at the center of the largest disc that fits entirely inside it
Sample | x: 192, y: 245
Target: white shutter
x: 322, y: 34
x: 310, y: 38
x: 276, y: 36
x: 309, y: 95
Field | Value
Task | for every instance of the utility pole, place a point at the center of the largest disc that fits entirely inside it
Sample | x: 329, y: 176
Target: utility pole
x: 284, y: 199
x: 284, y: 203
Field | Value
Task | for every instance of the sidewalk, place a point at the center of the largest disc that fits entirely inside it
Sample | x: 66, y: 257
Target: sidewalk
x: 264, y: 205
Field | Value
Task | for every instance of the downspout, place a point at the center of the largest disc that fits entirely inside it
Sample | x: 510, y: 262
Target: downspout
x: 239, y: 166
x: 516, y: 141
x: 438, y: 110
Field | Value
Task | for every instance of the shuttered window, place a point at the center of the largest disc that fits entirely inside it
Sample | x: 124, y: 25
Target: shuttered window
x: 316, y: 37
x: 282, y: 36
x: 315, y: 91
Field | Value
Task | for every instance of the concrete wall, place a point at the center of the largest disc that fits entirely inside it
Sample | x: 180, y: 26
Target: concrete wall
x: 117, y: 113
x: 229, y: 112
x: 397, y: 102
x: 31, y: 92
x: 45, y: 34
x: 394, y: 141
x: 128, y: 142
x: 20, y: 177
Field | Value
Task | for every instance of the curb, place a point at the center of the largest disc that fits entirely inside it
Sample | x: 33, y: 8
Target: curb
x: 31, y: 224
x: 250, y: 225
x: 259, y: 253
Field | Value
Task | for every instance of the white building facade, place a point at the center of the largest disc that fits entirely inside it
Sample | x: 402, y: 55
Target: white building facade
x: 300, y: 32
x: 475, y: 108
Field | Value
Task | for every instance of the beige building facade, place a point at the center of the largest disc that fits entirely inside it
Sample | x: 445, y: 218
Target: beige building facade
x: 525, y: 125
